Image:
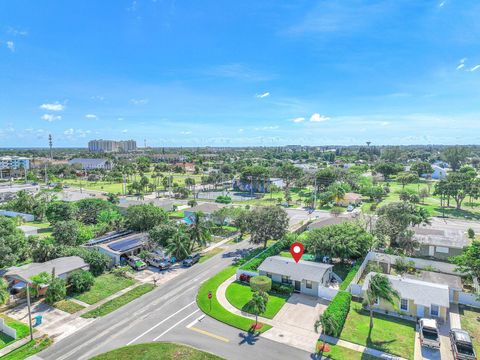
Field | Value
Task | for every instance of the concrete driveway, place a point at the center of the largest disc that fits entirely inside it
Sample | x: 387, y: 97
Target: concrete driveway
x: 445, y: 352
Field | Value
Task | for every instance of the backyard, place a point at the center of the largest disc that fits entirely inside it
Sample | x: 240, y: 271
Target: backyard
x: 470, y: 320
x: 104, y: 286
x: 239, y: 295
x: 389, y: 334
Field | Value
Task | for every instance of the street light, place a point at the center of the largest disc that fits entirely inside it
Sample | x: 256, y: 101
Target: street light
x: 29, y: 312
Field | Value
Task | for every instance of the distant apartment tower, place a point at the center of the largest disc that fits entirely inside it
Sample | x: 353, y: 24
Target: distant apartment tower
x: 112, y: 145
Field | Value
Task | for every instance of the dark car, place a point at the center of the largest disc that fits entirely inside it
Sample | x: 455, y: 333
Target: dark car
x: 191, y: 259
x: 462, y: 345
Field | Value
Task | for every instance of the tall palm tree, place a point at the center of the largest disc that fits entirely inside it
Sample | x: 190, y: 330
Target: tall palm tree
x: 380, y: 288
x: 199, y: 231
x: 179, y: 245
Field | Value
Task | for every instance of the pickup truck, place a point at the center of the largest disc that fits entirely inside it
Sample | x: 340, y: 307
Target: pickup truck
x: 429, y: 335
x: 462, y: 345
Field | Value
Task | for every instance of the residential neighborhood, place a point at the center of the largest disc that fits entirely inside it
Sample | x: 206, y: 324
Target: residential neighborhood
x: 285, y: 180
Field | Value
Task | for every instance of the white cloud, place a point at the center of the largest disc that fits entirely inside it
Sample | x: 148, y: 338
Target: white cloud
x: 91, y: 116
x: 120, y: 119
x: 124, y: 131
x: 50, y: 117
x: 69, y: 132
x: 298, y: 120
x: 475, y: 68
x: 17, y: 32
x: 139, y: 101
x: 442, y: 4
x: 267, y: 128
x: 316, y: 117
x: 240, y: 130
x: 11, y: 45
x: 461, y: 66
x: 53, y: 106
x: 185, y: 132
x: 384, y: 123
x: 263, y: 95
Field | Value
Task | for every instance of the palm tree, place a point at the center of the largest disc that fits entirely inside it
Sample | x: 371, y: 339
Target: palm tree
x: 379, y: 288
x: 327, y: 325
x: 199, y: 231
x: 4, y: 294
x: 179, y: 245
x: 258, y: 304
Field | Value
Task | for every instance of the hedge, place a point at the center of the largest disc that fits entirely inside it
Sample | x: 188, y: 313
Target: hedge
x: 348, y: 279
x: 261, y: 283
x: 336, y: 313
x: 253, y: 264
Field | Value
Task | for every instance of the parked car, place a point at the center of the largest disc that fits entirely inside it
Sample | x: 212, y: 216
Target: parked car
x: 462, y: 345
x: 429, y: 335
x: 136, y: 263
x: 158, y: 262
x: 350, y: 208
x: 191, y: 260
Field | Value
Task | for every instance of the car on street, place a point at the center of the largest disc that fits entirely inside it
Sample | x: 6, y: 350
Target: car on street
x: 191, y: 260
x: 462, y: 345
x: 136, y: 263
x: 429, y: 335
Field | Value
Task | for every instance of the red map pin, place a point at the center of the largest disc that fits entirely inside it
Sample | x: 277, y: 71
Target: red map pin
x: 297, y: 249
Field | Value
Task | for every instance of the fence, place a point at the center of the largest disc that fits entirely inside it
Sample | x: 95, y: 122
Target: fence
x: 25, y: 217
x: 4, y: 328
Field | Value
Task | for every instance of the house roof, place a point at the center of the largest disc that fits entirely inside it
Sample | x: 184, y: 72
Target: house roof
x: 206, y: 208
x: 62, y: 265
x: 421, y: 292
x: 441, y: 237
x: 328, y: 221
x: 452, y: 281
x: 88, y: 161
x: 303, y: 270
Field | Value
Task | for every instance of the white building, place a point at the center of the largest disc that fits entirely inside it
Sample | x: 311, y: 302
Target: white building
x: 92, y: 164
x: 14, y: 162
x: 112, y: 145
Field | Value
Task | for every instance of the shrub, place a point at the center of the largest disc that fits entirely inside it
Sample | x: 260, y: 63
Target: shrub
x: 336, y: 313
x: 223, y: 199
x: 56, y: 291
x: 282, y: 289
x: 245, y: 278
x: 80, y: 281
x: 471, y: 233
x: 261, y: 283
x: 351, y: 274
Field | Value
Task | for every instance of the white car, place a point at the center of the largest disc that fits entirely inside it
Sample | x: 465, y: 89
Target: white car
x: 429, y: 335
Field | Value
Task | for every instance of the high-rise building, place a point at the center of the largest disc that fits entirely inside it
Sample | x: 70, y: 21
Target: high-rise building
x: 14, y: 162
x: 112, y: 145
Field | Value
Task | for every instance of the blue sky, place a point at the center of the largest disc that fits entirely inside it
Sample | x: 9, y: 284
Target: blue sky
x: 224, y: 73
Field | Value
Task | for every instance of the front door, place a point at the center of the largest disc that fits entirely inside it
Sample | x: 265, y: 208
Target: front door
x: 297, y: 286
x: 420, y: 311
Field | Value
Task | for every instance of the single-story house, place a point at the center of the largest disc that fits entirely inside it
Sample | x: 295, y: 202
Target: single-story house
x: 257, y: 185
x: 63, y: 267
x: 119, y: 245
x: 440, y: 243
x: 92, y: 164
x: 206, y: 208
x: 439, y: 173
x: 188, y: 167
x: 418, y: 298
x: 307, y: 277
x: 350, y: 199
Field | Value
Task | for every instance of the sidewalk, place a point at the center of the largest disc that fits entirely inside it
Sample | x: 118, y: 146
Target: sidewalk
x: 19, y: 343
x: 292, y: 335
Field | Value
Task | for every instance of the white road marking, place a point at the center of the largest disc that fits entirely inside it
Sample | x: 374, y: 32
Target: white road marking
x: 171, y: 327
x: 160, y: 323
x: 200, y: 318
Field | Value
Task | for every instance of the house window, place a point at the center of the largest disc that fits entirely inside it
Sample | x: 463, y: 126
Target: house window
x: 286, y: 280
x: 404, y: 304
x: 269, y: 275
x: 308, y: 284
x: 442, y: 249
x: 434, y: 310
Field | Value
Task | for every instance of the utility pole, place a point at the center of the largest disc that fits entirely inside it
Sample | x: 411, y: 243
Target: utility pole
x: 50, y: 144
x: 29, y: 312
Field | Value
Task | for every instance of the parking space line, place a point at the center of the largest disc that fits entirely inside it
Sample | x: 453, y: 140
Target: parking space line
x: 171, y: 327
x: 218, y: 337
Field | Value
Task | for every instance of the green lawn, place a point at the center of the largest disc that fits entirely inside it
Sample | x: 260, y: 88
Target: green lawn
x: 346, y: 273
x: 177, y: 214
x: 68, y: 306
x: 306, y: 257
x: 209, y: 254
x: 217, y: 311
x: 154, y: 351
x: 22, y: 331
x: 340, y: 353
x: 389, y: 334
x: 118, y: 302
x: 239, y: 295
x: 28, y: 349
x: 104, y: 286
x: 469, y: 319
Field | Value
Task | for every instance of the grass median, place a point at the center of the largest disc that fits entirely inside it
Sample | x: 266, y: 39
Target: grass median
x: 118, y: 302
x: 217, y: 311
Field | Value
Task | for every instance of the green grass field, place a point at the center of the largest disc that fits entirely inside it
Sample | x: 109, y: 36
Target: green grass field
x: 28, y: 349
x: 118, y: 302
x: 68, y: 306
x: 389, y: 334
x: 240, y: 294
x: 217, y: 311
x: 338, y: 352
x: 21, y: 328
x: 104, y: 286
x: 154, y: 351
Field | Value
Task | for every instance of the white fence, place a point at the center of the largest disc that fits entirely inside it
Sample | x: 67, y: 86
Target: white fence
x: 7, y: 329
x: 468, y: 299
x: 25, y: 217
x: 356, y: 290
x: 327, y: 293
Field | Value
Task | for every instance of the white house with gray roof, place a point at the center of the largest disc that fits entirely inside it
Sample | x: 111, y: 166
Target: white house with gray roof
x: 440, y: 243
x: 307, y: 277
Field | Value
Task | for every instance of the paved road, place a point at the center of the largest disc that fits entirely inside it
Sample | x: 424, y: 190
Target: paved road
x: 163, y: 315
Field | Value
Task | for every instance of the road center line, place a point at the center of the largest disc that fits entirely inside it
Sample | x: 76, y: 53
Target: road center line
x: 218, y: 337
x: 160, y: 323
x: 171, y: 327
